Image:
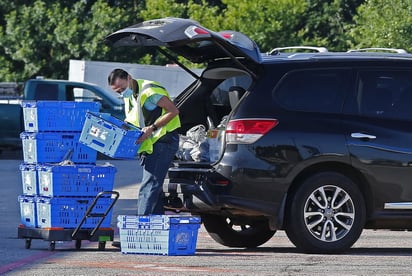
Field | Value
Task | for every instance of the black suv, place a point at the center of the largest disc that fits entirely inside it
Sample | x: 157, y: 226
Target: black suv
x: 318, y: 144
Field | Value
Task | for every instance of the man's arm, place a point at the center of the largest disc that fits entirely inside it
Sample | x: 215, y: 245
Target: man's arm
x: 171, y: 112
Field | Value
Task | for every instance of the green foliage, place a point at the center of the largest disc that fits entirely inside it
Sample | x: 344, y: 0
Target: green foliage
x: 39, y: 37
x: 162, y: 8
x: 324, y: 23
x: 270, y: 23
x: 381, y: 23
x: 208, y: 15
x: 201, y: 11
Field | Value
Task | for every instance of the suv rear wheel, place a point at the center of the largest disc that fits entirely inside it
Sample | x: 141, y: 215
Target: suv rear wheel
x: 326, y: 214
x: 227, y: 232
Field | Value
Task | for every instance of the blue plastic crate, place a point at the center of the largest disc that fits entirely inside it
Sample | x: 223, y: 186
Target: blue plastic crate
x: 52, y: 147
x: 56, y: 115
x: 178, y: 236
x: 77, y: 180
x: 153, y: 222
x: 28, y: 214
x: 29, y: 179
x: 67, y: 212
x: 110, y: 136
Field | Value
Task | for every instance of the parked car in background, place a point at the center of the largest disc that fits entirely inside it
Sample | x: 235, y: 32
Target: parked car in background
x: 318, y: 144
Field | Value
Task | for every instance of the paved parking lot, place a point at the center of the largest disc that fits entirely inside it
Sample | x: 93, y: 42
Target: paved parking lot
x: 376, y: 253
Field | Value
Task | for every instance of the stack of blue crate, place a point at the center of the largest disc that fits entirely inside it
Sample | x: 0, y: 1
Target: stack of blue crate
x: 60, y: 177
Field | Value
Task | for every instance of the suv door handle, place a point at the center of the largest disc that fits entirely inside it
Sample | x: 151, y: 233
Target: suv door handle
x: 359, y: 135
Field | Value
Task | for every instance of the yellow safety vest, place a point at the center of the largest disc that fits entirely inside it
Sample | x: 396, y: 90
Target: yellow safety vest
x: 148, y: 88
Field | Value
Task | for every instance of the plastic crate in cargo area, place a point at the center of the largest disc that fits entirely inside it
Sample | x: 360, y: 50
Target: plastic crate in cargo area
x: 158, y: 235
x: 52, y: 147
x: 56, y: 115
x: 75, y: 180
x: 28, y: 213
x: 29, y: 179
x: 110, y: 136
x: 67, y: 212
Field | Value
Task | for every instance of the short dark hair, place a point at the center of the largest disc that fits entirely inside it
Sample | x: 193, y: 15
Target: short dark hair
x: 117, y: 74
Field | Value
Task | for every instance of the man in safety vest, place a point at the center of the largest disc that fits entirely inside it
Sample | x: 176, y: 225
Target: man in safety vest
x: 148, y: 106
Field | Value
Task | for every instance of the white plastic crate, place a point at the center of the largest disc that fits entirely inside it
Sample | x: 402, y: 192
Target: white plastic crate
x: 158, y: 235
x: 28, y: 214
x: 29, y: 179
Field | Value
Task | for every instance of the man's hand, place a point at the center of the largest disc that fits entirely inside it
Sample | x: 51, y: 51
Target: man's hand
x: 147, y: 131
x: 171, y: 112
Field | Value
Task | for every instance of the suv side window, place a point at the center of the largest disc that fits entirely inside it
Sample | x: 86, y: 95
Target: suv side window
x: 385, y: 94
x: 312, y: 91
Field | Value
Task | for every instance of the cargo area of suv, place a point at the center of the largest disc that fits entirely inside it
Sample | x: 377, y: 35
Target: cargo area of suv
x: 314, y: 143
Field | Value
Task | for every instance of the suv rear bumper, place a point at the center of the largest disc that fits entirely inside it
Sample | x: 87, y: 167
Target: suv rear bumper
x: 191, y: 181
x: 203, y: 190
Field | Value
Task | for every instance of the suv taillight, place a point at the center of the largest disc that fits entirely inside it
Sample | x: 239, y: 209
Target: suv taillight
x: 248, y: 131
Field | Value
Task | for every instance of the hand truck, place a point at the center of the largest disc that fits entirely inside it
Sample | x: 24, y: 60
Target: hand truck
x: 78, y: 234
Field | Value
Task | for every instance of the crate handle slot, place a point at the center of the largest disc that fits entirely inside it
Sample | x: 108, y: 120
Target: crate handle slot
x: 100, y: 144
x: 84, y: 201
x: 107, y: 126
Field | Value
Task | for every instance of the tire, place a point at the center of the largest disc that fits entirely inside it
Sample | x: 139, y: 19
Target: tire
x: 27, y: 243
x: 225, y: 231
x: 78, y: 244
x: 52, y: 246
x: 326, y: 214
x: 102, y: 245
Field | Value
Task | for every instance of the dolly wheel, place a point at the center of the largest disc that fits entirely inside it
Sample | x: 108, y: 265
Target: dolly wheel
x: 52, y: 246
x: 28, y: 244
x: 102, y: 245
x: 78, y: 244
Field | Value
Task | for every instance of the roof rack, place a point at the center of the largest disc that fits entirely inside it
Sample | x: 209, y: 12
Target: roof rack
x: 399, y: 51
x: 312, y: 48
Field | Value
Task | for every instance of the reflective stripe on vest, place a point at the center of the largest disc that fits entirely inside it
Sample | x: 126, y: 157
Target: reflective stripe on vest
x: 148, y: 88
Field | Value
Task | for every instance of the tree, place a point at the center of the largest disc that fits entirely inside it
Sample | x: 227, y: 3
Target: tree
x: 40, y: 36
x: 39, y: 39
x: 324, y: 23
x: 165, y: 8
x: 270, y: 23
x: 382, y: 23
x: 201, y: 11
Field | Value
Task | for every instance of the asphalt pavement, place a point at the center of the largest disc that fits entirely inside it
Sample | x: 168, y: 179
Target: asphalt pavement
x: 376, y: 253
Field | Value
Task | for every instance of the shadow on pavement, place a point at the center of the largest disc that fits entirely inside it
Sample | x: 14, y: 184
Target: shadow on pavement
x: 376, y: 251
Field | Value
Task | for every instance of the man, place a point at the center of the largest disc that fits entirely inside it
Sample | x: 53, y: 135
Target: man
x: 148, y: 106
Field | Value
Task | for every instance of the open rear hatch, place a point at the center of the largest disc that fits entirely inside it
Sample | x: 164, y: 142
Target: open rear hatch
x: 231, y: 58
x: 187, y: 38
